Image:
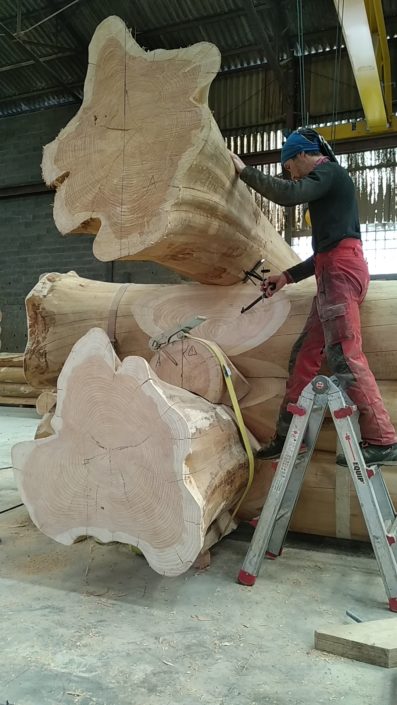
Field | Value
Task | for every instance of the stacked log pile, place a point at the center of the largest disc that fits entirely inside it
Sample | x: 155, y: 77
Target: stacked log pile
x: 14, y: 390
x: 63, y: 307
x: 140, y: 447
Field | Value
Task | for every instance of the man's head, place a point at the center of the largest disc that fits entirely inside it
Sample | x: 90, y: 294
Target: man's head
x: 299, y: 155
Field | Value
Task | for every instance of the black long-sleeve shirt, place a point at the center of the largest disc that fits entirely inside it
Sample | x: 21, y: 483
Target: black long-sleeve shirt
x: 330, y: 193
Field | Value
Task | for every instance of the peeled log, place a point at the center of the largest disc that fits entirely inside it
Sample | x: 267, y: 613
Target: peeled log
x: 190, y: 364
x: 131, y: 460
x: 11, y: 389
x: 46, y: 402
x: 12, y: 374
x: 11, y: 359
x: 63, y: 307
x: 143, y: 166
x: 44, y: 428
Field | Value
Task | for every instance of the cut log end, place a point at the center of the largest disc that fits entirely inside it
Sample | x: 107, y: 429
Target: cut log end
x: 131, y: 460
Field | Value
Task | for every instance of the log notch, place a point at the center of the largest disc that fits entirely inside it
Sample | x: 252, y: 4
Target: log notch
x: 190, y: 364
x: 131, y: 460
x: 63, y: 307
x: 167, y: 193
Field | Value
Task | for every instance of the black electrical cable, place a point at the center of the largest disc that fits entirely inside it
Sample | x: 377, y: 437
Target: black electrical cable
x: 299, y: 13
x: 3, y: 511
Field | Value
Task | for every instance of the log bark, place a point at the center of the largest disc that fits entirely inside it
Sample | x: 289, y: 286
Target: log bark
x: 191, y: 365
x: 168, y: 193
x: 131, y: 460
x: 63, y: 307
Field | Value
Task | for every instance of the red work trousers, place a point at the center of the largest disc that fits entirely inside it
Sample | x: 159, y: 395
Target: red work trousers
x: 333, y: 327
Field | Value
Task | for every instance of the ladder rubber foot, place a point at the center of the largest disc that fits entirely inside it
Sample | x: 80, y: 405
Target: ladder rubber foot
x: 245, y: 578
x: 273, y: 556
x: 393, y: 604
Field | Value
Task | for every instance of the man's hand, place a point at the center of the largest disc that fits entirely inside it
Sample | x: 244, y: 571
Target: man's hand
x: 238, y: 163
x: 273, y: 284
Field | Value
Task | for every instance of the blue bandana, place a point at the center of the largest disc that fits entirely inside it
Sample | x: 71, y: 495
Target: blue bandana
x: 296, y: 144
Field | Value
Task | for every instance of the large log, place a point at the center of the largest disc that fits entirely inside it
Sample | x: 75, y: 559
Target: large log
x: 63, y: 307
x: 131, y: 460
x: 143, y: 166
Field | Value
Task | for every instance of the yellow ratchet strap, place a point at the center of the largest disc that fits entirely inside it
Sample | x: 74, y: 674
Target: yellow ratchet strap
x: 236, y: 408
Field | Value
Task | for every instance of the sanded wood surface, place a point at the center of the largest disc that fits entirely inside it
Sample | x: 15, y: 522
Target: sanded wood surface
x: 167, y: 193
x: 372, y: 642
x: 132, y: 459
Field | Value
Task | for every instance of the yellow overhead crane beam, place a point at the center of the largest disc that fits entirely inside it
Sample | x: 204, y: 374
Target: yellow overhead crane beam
x: 364, y: 32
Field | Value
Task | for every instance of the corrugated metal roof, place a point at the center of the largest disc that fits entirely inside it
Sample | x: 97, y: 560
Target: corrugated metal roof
x: 62, y: 42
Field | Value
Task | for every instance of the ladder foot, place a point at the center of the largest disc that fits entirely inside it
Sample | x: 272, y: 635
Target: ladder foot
x: 393, y: 604
x: 245, y: 578
x: 273, y: 556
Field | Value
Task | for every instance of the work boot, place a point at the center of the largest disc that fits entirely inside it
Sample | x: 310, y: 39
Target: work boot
x: 274, y: 448
x: 374, y: 455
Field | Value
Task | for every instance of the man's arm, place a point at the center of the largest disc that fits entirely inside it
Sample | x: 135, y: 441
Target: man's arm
x: 300, y: 271
x: 289, y: 193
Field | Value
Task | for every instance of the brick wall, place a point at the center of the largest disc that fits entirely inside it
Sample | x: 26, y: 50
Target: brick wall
x: 30, y: 244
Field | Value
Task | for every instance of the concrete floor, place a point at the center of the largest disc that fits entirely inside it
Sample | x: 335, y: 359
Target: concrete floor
x: 92, y: 624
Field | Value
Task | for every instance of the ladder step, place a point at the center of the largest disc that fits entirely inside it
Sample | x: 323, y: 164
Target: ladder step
x: 296, y: 410
x: 345, y: 411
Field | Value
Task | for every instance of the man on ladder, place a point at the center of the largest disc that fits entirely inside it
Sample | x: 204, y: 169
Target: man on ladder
x: 342, y: 278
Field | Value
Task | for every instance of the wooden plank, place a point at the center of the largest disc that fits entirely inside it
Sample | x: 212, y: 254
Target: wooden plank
x: 372, y: 642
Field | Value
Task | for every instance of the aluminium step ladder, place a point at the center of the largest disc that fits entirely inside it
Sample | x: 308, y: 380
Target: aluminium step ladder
x: 376, y: 504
